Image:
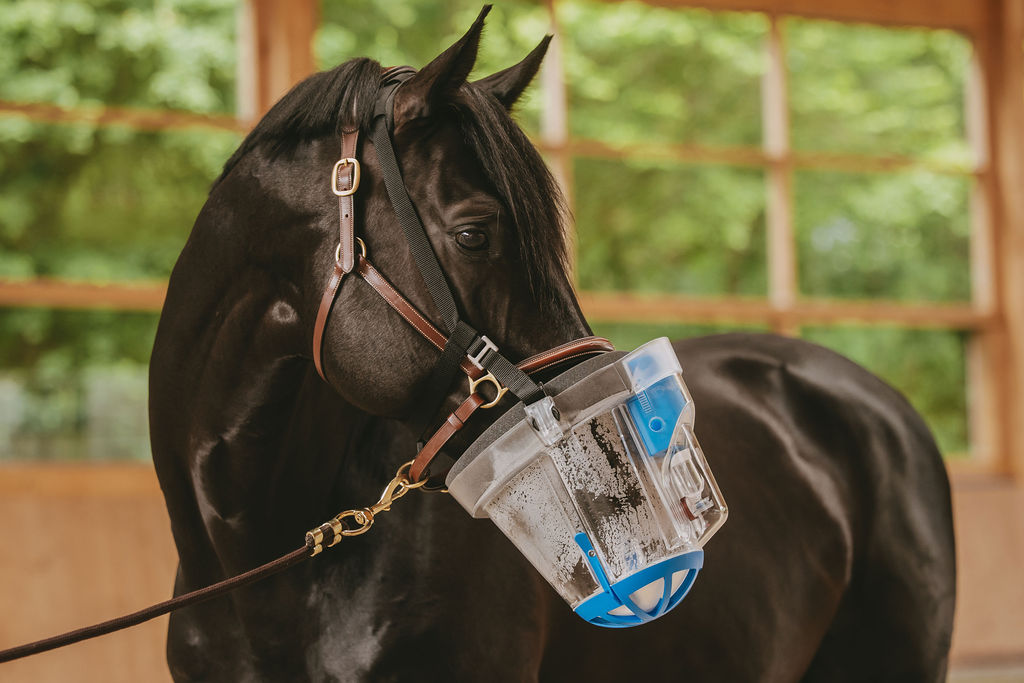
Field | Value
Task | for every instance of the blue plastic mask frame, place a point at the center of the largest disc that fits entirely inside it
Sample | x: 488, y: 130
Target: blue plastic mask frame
x: 613, y: 595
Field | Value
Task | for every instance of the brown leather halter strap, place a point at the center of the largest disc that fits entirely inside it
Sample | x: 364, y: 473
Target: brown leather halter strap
x: 345, y: 187
x: 545, y: 360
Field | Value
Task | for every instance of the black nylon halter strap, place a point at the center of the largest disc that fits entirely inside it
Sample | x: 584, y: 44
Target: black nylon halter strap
x: 461, y: 336
x: 415, y: 235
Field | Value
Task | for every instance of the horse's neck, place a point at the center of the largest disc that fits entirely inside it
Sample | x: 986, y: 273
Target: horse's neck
x: 247, y: 440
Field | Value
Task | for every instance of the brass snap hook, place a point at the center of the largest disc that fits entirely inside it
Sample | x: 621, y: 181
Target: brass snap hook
x: 358, y: 521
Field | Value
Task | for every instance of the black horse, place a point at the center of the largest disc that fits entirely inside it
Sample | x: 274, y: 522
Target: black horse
x: 837, y: 561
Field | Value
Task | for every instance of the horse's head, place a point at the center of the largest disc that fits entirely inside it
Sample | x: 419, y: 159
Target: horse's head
x: 490, y: 208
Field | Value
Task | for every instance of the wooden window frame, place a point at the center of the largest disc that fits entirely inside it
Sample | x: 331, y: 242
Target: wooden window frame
x: 995, y: 109
x: 275, y: 47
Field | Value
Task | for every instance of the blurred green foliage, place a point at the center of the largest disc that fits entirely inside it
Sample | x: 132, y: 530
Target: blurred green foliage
x: 638, y: 73
x: 895, y: 235
x: 171, y: 54
x: 73, y: 384
x: 77, y: 201
x: 83, y: 202
x: 871, y: 90
x: 658, y: 226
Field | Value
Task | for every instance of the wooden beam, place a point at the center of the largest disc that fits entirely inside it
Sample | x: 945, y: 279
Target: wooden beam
x: 689, y: 154
x: 143, y: 119
x: 960, y: 15
x: 999, y: 47
x: 42, y: 293
x: 667, y: 308
x: 276, y: 41
x: 550, y: 141
x: 984, y: 376
x: 756, y: 157
x: 854, y: 163
x: 875, y: 312
x: 671, y: 308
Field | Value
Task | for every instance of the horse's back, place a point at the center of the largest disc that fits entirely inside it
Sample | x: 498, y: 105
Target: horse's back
x: 837, y: 562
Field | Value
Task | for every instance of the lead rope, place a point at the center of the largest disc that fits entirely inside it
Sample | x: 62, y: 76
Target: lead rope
x: 347, y: 523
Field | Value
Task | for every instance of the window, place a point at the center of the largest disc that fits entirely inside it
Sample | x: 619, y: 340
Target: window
x: 115, y: 116
x: 728, y: 170
x: 798, y: 175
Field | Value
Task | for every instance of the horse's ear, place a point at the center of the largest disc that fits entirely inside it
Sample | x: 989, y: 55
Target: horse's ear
x: 509, y: 84
x: 435, y: 83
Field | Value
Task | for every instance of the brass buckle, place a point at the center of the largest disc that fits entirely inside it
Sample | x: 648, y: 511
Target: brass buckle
x: 341, y: 163
x: 362, y: 250
x: 474, y: 383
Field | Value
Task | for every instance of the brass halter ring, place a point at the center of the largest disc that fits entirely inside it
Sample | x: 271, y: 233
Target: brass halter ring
x: 362, y: 250
x: 342, y: 163
x: 490, y: 378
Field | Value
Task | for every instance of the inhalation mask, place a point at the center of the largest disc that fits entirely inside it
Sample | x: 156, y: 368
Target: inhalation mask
x: 601, y: 485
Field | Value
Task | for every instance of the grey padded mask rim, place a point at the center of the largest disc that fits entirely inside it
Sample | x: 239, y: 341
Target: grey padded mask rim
x: 517, y: 413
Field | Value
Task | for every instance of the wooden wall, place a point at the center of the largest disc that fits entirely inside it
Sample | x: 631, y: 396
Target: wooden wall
x: 82, y: 544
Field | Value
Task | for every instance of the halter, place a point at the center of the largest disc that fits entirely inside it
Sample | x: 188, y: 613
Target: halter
x: 463, y: 347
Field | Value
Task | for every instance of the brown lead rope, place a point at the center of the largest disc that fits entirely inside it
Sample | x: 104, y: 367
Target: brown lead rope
x: 159, y: 609
x: 348, y: 523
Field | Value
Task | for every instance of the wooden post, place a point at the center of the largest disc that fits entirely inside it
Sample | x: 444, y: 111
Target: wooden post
x: 984, y: 376
x: 275, y: 39
x: 1000, y: 48
x: 781, y: 247
x: 554, y: 123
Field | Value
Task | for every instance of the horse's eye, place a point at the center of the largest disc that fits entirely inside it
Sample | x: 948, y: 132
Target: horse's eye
x: 472, y: 240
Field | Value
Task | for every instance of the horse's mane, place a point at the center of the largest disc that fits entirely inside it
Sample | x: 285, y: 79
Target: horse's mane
x: 329, y: 101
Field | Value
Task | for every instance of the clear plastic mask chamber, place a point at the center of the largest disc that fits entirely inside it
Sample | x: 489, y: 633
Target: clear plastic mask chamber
x: 602, y: 485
